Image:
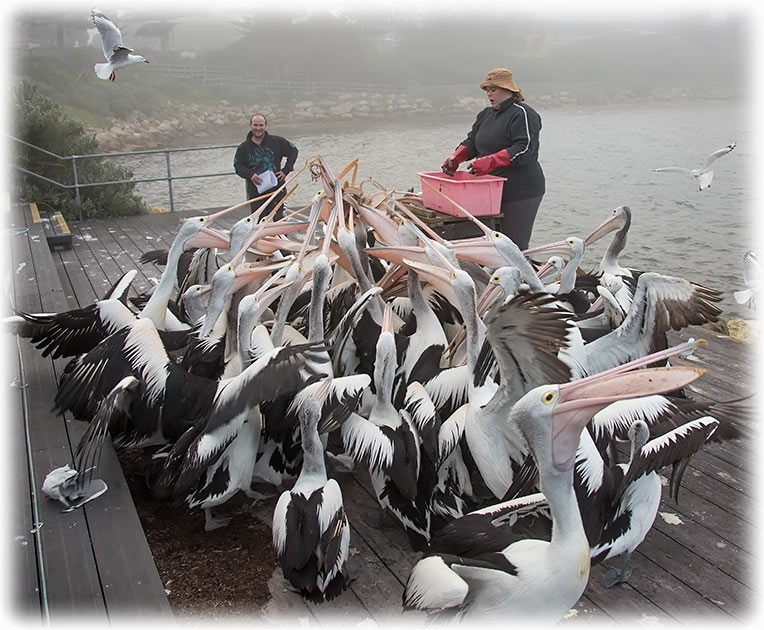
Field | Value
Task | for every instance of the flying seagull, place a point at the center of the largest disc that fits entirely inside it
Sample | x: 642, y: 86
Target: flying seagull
x: 752, y: 278
x: 117, y: 55
x: 703, y: 175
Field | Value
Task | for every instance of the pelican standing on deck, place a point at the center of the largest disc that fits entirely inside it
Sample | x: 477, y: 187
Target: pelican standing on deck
x: 537, y: 579
x: 311, y: 532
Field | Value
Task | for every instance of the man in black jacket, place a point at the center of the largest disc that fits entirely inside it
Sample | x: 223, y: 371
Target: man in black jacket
x: 259, y: 153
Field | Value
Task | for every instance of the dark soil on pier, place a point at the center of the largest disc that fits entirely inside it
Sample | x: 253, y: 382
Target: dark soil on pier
x: 207, y: 575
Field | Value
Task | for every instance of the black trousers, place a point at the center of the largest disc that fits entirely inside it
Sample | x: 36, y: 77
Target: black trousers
x: 518, y: 219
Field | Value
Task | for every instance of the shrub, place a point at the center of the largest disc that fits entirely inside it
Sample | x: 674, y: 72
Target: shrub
x: 40, y: 121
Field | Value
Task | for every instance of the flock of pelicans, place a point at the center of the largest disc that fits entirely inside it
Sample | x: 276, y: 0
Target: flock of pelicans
x: 478, y: 384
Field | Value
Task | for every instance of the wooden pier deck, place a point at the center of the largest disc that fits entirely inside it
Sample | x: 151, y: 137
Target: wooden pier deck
x: 698, y: 564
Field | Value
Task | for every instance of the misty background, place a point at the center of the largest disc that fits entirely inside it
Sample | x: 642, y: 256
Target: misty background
x: 708, y: 54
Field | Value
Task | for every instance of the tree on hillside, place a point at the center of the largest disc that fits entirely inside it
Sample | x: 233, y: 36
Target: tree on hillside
x: 40, y: 121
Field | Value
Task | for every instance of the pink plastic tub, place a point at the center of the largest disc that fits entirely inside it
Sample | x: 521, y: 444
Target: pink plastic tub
x: 480, y: 196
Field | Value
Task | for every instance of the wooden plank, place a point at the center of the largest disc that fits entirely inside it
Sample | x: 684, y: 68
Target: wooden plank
x: 35, y: 211
x: 43, y: 273
x: 129, y: 577
x: 84, y: 275
x: 159, y: 235
x: 705, y: 578
x: 698, y: 530
x: 623, y: 604
x: 136, y: 233
x: 25, y: 584
x: 729, y: 475
x: 673, y: 596
x: 25, y: 596
x: 390, y: 546
x: 86, y: 239
x: 69, y: 568
x: 107, y: 238
x: 95, y: 558
x: 719, y: 494
x: 92, y: 264
x: 734, y: 452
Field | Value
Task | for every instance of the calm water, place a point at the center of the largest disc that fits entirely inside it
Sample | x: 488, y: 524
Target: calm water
x: 594, y: 160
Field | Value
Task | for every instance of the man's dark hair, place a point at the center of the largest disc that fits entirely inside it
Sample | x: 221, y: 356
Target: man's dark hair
x: 258, y: 114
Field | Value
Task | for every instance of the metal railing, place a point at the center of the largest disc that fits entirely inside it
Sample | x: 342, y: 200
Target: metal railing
x: 78, y: 185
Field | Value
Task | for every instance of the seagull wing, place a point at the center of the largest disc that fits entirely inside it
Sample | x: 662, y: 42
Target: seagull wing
x: 717, y: 154
x: 672, y: 169
x: 751, y: 270
x: 111, y: 38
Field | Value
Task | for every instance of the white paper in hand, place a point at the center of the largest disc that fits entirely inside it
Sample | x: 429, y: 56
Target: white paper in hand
x: 267, y: 181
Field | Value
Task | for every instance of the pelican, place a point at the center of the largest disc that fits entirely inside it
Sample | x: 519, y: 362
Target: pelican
x: 311, y: 532
x: 535, y: 579
x: 193, y: 232
x: 618, y: 221
x: 623, y: 499
x: 388, y: 443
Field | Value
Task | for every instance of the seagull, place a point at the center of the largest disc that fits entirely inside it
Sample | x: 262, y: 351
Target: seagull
x: 117, y: 55
x: 752, y: 278
x: 703, y: 175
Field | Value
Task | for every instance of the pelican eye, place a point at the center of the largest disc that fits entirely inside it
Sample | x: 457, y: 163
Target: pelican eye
x: 496, y: 234
x: 549, y: 396
x: 202, y: 219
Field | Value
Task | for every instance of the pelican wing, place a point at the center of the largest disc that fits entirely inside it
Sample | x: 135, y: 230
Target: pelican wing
x: 118, y: 291
x: 114, y: 410
x: 341, y: 400
x: 133, y: 350
x: 526, y: 334
x: 448, y: 390
x: 335, y: 534
x: 507, y: 512
x: 674, y: 447
x: 73, y: 332
x: 366, y: 442
x: 661, y: 303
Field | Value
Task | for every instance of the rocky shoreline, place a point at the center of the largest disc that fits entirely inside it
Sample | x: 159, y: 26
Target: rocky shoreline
x: 184, y: 125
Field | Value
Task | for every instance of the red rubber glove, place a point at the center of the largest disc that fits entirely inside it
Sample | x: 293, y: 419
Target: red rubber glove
x: 452, y: 162
x: 487, y: 163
